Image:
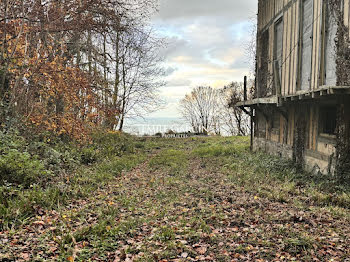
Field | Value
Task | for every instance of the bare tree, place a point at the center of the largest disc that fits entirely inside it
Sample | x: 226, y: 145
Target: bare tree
x: 250, y: 47
x: 201, y: 109
x: 228, y: 123
x: 236, y: 121
x: 214, y: 111
x: 140, y: 73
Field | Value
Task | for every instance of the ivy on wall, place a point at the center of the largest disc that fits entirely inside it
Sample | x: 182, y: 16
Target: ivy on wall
x: 342, y: 168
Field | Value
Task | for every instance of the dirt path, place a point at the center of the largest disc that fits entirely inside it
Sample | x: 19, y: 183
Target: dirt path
x: 180, y: 212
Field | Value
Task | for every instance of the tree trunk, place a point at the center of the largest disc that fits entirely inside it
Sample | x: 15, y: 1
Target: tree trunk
x: 121, y: 124
x: 4, y: 99
x: 123, y: 109
x: 89, y: 43
x: 116, y: 82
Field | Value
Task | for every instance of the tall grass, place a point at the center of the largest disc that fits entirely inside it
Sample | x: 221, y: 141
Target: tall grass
x: 87, y: 168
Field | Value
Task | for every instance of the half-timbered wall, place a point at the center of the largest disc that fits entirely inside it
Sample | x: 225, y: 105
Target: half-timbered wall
x: 270, y: 13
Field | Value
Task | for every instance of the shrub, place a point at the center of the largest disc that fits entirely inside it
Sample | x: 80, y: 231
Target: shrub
x: 89, y: 155
x: 11, y: 140
x: 17, y: 165
x: 158, y: 134
x: 112, y: 143
x: 56, y: 155
x: 21, y: 168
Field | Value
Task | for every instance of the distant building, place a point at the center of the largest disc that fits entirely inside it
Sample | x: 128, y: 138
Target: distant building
x: 301, y: 105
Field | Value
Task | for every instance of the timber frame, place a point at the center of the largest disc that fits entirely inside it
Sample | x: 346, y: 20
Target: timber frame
x: 305, y: 124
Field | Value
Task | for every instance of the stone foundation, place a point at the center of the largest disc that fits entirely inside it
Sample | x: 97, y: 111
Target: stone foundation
x: 314, y: 162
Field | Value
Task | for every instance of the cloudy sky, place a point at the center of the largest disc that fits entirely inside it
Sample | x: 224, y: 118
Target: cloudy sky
x: 207, y: 42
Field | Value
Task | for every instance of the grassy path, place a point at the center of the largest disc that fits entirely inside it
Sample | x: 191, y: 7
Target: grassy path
x: 194, y: 200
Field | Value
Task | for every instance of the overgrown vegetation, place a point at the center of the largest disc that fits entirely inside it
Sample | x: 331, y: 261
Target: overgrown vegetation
x: 187, y: 199
x: 342, y: 51
x: 273, y: 177
x: 44, y: 173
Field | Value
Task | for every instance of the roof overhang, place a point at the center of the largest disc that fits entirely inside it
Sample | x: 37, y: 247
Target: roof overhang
x: 317, y: 93
x: 257, y: 101
x: 324, y: 91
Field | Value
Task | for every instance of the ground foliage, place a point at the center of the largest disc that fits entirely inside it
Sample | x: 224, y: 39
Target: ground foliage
x: 196, y: 199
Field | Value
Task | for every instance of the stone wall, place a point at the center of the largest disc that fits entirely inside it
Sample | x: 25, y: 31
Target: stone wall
x: 314, y: 162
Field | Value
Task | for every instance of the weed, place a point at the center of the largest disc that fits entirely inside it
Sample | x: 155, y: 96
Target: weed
x: 165, y: 233
x: 297, y: 243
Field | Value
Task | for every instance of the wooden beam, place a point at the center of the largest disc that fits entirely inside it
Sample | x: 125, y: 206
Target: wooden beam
x: 279, y: 101
x: 245, y: 111
x: 277, y: 82
x: 315, y: 94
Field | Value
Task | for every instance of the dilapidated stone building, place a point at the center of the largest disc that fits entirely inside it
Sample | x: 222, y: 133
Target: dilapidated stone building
x: 301, y: 103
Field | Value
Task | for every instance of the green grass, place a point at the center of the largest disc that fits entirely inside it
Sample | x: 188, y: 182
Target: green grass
x: 270, y: 176
x: 231, y: 147
x: 297, y: 243
x: 195, y: 198
x: 175, y: 161
x: 24, y: 204
x: 106, y: 158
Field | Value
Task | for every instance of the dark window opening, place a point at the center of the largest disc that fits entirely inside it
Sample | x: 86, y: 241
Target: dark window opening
x: 328, y: 116
x: 278, y: 52
x: 263, y: 69
x: 261, y: 126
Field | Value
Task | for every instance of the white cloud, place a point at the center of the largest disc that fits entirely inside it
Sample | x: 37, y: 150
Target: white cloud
x: 187, y: 9
x: 174, y: 82
x: 207, y: 41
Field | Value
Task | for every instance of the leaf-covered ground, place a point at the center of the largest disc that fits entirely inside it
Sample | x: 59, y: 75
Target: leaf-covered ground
x: 204, y: 199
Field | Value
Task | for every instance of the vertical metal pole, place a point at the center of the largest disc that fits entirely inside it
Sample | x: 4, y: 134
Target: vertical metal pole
x: 251, y: 114
x: 245, y: 88
x: 251, y: 129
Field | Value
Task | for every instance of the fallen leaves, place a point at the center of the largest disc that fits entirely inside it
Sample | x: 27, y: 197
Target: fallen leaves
x: 196, y: 216
x: 25, y: 256
x: 200, y: 249
x: 184, y: 255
